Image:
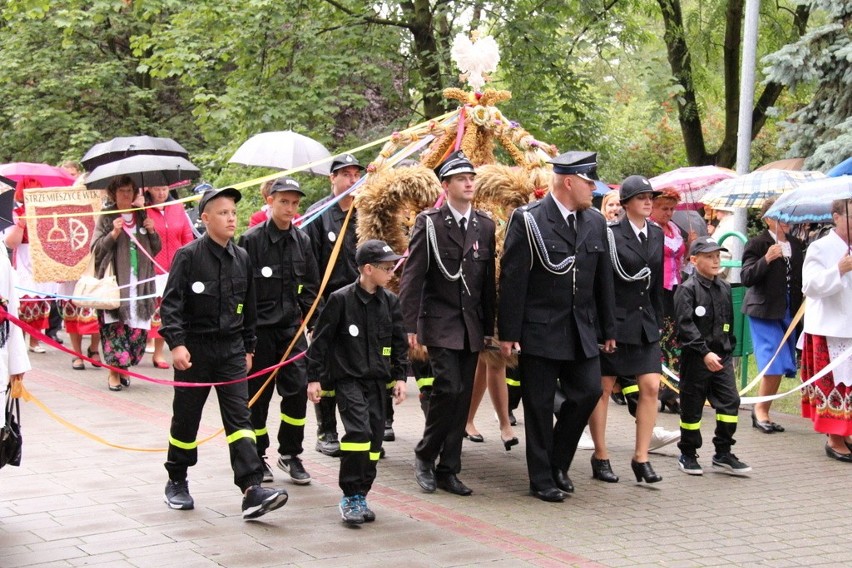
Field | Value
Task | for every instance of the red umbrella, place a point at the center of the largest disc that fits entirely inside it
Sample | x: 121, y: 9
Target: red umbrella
x: 46, y: 175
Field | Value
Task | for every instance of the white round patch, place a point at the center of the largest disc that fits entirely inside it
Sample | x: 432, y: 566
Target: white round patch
x: 198, y: 287
x: 700, y: 311
x: 353, y: 330
x: 266, y: 271
x: 142, y: 231
x: 331, y: 236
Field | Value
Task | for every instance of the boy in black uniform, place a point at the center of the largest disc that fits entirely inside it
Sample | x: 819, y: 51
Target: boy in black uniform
x: 209, y: 321
x: 360, y: 344
x: 286, y: 278
x: 705, y: 319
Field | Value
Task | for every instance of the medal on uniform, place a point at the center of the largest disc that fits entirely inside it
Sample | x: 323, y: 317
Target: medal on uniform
x: 475, y: 249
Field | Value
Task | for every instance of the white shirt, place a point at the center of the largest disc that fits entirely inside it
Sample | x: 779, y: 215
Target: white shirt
x: 829, y: 295
x: 459, y: 216
x: 785, y: 245
x: 564, y: 211
x: 638, y: 231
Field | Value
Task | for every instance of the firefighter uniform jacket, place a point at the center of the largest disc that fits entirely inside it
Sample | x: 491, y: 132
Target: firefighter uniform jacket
x: 359, y: 336
x: 705, y: 315
x: 210, y: 292
x: 324, y: 232
x: 285, y: 273
x: 442, y: 311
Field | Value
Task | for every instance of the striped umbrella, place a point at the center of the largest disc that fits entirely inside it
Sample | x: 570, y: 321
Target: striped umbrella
x: 751, y: 190
x: 691, y: 182
x: 811, y: 202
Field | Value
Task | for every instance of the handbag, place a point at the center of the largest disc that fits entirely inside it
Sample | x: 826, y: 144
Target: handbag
x: 97, y: 293
x: 11, y: 441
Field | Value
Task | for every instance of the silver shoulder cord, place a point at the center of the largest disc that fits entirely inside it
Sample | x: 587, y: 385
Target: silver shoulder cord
x: 537, y: 245
x: 432, y: 243
x: 645, y: 273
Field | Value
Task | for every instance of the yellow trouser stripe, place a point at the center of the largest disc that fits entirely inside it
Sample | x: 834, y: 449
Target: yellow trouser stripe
x: 730, y: 418
x: 239, y: 434
x: 327, y: 394
x: 293, y: 421
x: 183, y: 445
x: 425, y: 382
x: 629, y: 390
x: 261, y: 432
x: 513, y: 382
x: 693, y: 426
x: 374, y: 456
x: 354, y: 446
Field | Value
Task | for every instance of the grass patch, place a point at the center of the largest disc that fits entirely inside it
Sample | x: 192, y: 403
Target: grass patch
x: 790, y: 404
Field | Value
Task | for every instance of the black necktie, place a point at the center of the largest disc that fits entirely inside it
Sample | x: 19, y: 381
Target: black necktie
x: 572, y: 230
x: 463, y: 226
x: 644, y: 240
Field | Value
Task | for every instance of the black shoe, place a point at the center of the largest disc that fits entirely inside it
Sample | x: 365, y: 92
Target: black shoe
x: 777, y: 427
x: 292, y: 465
x: 512, y: 420
x: 424, y: 473
x: 618, y: 398
x: 563, y: 482
x: 267, y: 471
x: 474, y: 437
x: 451, y: 483
x: 689, y: 464
x: 834, y: 454
x: 509, y: 443
x: 551, y: 495
x: 644, y: 472
x: 177, y: 495
x: 56, y: 338
x: 368, y: 514
x: 258, y: 501
x: 351, y: 511
x: 764, y: 426
x: 730, y: 464
x: 601, y: 469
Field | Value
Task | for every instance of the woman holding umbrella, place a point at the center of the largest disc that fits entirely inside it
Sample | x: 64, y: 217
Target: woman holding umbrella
x: 119, y: 235
x: 827, y: 284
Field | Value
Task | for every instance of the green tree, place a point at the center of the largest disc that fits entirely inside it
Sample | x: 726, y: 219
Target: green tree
x: 820, y: 130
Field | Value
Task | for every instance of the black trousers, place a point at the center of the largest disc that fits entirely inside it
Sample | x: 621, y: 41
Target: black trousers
x: 551, y: 447
x: 214, y: 360
x: 698, y: 384
x: 291, y: 383
x: 362, y: 411
x: 449, y: 403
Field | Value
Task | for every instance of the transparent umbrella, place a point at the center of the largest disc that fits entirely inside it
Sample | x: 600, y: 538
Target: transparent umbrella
x: 282, y: 150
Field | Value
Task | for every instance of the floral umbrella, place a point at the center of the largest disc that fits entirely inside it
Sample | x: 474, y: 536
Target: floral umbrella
x: 691, y: 182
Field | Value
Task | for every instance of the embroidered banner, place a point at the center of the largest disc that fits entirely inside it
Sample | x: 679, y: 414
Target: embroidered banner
x: 61, y: 224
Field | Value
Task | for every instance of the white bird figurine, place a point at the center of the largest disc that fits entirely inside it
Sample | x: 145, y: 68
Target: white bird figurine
x: 475, y: 58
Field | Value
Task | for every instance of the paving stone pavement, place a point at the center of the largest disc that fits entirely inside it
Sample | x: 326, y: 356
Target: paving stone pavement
x: 78, y: 502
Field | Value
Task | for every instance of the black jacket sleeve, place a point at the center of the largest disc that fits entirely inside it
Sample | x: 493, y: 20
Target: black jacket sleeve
x: 514, y: 277
x: 172, y: 312
x: 399, y: 342
x: 688, y: 333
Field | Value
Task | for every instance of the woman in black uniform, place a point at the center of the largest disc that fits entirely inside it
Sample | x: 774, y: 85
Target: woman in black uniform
x: 636, y: 246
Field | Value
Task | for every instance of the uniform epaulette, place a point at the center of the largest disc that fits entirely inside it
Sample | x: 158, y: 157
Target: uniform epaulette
x: 431, y: 211
x: 613, y: 222
x: 484, y: 213
x: 596, y: 210
x: 652, y: 222
x: 529, y: 206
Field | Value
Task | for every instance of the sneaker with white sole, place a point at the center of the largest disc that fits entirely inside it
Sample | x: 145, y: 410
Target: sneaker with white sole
x: 350, y: 510
x: 267, y: 471
x: 661, y: 437
x: 292, y: 465
x: 258, y: 501
x: 177, y: 495
x: 690, y: 465
x: 730, y: 464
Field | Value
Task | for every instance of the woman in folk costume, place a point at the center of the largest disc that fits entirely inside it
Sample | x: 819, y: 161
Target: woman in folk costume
x: 35, y: 303
x: 124, y: 330
x: 636, y: 247
x: 13, y: 352
x: 827, y: 285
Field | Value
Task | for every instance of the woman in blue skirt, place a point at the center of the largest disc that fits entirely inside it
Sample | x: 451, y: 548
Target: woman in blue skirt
x: 772, y: 269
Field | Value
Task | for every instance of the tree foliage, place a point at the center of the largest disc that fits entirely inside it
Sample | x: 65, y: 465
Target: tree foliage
x: 822, y: 128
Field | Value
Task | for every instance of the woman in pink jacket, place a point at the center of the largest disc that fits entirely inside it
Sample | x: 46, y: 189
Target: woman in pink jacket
x: 175, y: 231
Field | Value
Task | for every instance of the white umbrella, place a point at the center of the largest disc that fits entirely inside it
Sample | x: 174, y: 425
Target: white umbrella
x: 282, y: 150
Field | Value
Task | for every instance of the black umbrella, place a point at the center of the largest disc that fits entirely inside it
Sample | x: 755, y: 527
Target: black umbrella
x: 145, y: 170
x: 127, y: 146
x: 10, y: 182
x: 7, y: 203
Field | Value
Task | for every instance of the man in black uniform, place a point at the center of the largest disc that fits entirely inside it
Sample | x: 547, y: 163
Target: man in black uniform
x: 556, y: 300
x: 209, y: 321
x: 448, y: 294
x: 324, y: 232
x: 286, y: 279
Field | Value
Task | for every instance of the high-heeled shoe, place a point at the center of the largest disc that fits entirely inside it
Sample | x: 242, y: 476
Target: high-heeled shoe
x: 111, y: 386
x: 764, y: 426
x: 601, y: 469
x: 509, y: 443
x: 644, y: 472
x: 474, y: 437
